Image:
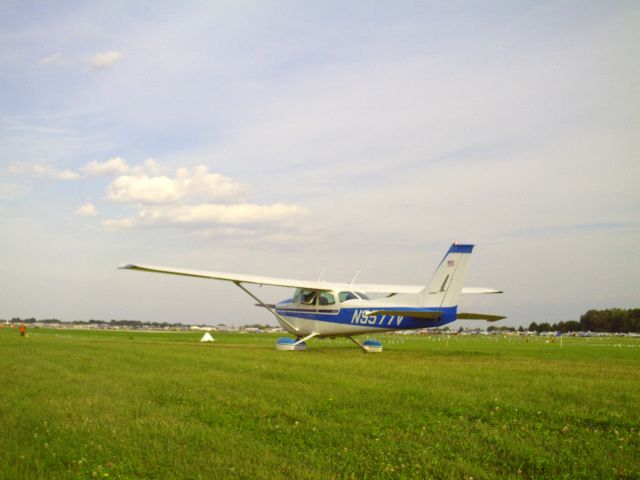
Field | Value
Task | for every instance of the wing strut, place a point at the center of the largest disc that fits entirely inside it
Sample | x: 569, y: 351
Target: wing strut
x: 308, y: 337
x: 280, y: 318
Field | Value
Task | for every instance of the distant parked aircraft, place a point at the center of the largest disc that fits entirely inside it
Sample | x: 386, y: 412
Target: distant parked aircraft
x: 329, y: 309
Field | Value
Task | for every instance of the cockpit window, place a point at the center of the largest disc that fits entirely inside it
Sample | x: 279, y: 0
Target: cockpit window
x: 327, y: 298
x: 308, y: 297
x: 344, y: 296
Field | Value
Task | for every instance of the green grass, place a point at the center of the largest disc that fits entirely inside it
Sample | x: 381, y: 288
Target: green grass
x: 124, y: 405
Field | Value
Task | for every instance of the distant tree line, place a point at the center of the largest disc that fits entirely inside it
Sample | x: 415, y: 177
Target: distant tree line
x: 503, y: 328
x: 117, y: 323
x: 614, y: 320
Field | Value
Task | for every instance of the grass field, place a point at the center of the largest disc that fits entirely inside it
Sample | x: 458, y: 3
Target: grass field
x: 125, y: 405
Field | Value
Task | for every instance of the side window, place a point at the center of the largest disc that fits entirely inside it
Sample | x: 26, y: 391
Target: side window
x: 308, y: 297
x: 327, y: 298
x: 344, y: 296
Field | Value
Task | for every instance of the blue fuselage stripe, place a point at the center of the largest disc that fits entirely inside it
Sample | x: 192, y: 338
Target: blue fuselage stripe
x: 361, y: 317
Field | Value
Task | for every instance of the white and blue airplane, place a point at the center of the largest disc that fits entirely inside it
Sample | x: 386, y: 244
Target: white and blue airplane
x: 329, y: 309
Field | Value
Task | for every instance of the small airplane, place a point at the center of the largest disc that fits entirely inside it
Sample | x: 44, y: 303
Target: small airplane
x: 329, y: 309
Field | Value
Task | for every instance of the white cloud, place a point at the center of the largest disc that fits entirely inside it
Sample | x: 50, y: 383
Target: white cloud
x: 144, y: 189
x: 119, y: 166
x: 104, y: 60
x: 63, y: 175
x: 112, y: 166
x: 211, y: 186
x: 195, y: 199
x: 87, y: 210
x: 39, y: 170
x: 53, y: 59
x: 204, y: 215
x: 187, y: 184
x: 149, y: 167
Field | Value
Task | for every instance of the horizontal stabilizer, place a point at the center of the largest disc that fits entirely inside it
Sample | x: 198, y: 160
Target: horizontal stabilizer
x: 480, y: 290
x: 407, y: 313
x: 479, y: 316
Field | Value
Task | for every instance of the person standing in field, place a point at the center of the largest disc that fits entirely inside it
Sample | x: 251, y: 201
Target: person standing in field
x: 23, y: 330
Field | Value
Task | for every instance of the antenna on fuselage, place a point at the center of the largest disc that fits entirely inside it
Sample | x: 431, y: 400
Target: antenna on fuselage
x: 321, y: 274
x: 355, y: 277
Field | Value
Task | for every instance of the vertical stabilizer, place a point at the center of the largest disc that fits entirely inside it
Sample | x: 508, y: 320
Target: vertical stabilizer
x: 445, y: 286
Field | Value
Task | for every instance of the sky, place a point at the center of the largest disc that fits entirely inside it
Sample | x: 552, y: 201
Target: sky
x: 317, y: 139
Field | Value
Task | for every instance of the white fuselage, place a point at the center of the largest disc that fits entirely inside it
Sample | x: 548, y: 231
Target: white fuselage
x: 331, y: 314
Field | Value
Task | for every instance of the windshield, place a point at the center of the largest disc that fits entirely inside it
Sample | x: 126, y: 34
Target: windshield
x: 344, y: 296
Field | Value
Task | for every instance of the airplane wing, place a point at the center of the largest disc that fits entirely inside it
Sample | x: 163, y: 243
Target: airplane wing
x: 232, y: 277
x: 293, y: 283
x: 395, y: 289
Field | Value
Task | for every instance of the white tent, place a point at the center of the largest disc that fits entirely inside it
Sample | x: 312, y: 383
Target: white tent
x: 207, y: 338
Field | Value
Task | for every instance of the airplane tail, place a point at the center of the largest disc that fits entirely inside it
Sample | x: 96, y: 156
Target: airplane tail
x: 438, y: 301
x: 445, y: 287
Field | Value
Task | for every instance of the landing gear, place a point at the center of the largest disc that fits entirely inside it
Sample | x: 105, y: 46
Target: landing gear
x: 368, y: 346
x: 286, y: 343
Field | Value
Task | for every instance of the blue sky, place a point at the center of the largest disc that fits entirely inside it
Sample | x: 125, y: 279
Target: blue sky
x: 288, y: 138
